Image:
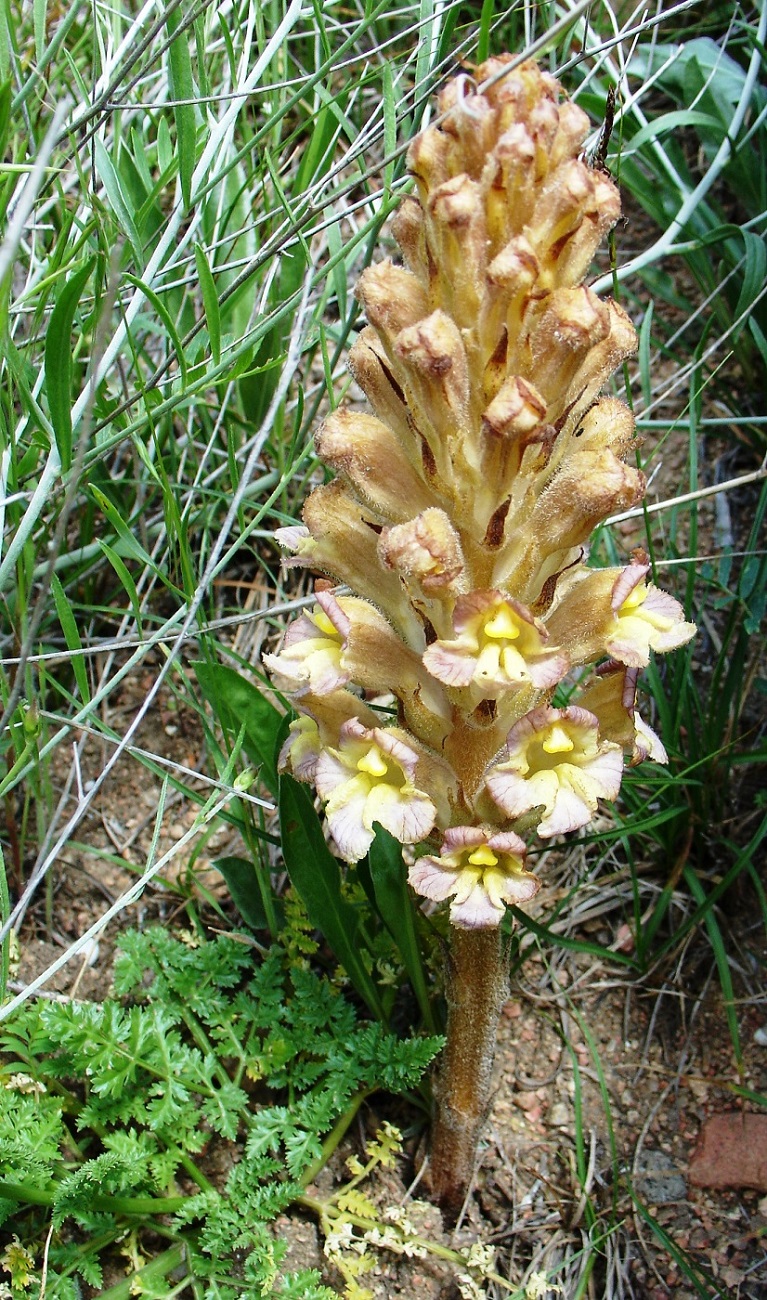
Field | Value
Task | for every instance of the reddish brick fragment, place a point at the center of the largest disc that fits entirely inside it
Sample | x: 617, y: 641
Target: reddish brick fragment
x: 731, y: 1152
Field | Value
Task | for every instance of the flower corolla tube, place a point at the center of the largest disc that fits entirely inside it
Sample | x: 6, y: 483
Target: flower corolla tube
x: 503, y: 669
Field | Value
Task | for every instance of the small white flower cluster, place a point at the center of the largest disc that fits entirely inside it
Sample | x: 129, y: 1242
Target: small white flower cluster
x: 538, y: 1287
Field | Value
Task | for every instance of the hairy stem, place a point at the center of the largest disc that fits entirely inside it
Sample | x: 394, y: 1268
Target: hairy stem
x: 477, y: 987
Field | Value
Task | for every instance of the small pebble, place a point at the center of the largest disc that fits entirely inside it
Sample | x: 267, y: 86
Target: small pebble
x: 760, y: 1036
x: 90, y: 952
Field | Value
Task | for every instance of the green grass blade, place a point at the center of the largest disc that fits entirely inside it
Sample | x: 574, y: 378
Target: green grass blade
x: 209, y: 301
x: 130, y: 543
x: 722, y: 965
x: 705, y: 1287
x: 58, y: 361
x: 117, y: 199
x: 72, y: 637
x: 167, y: 320
x: 38, y: 17
x: 181, y: 85
x: 124, y: 574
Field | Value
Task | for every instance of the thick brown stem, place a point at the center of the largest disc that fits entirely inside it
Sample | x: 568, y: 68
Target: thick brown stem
x: 477, y: 987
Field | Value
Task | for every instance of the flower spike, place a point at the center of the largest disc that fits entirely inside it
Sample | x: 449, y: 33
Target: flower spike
x: 462, y: 511
x: 460, y: 521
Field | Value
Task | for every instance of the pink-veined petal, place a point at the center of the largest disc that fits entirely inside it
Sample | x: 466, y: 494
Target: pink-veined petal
x: 481, y: 870
x: 345, y: 814
x: 451, y: 665
x: 407, y: 815
x: 476, y: 911
x: 332, y: 771
x: 567, y: 812
x: 430, y: 879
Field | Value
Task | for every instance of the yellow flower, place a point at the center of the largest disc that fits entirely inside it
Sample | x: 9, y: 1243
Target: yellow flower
x: 555, y: 761
x: 368, y: 778
x: 481, y: 870
x: 498, y: 646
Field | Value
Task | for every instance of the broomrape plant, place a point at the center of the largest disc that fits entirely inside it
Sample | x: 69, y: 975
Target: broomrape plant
x: 459, y: 519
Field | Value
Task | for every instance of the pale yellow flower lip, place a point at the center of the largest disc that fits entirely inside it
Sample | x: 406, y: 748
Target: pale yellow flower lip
x: 556, y: 761
x: 498, y: 646
x: 311, y: 658
x: 481, y: 870
x: 367, y: 778
x: 647, y: 619
x: 616, y: 612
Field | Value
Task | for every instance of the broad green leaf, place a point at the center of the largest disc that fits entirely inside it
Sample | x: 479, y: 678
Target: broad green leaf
x: 58, y: 361
x: 398, y: 911
x: 238, y: 702
x: 241, y: 878
x: 181, y: 87
x: 209, y: 301
x: 315, y: 874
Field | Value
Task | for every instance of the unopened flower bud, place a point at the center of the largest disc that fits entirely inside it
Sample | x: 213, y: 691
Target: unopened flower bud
x: 368, y: 453
x: 426, y: 550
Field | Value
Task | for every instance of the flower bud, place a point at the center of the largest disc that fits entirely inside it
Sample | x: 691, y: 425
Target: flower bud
x: 427, y: 551
x: 378, y: 467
